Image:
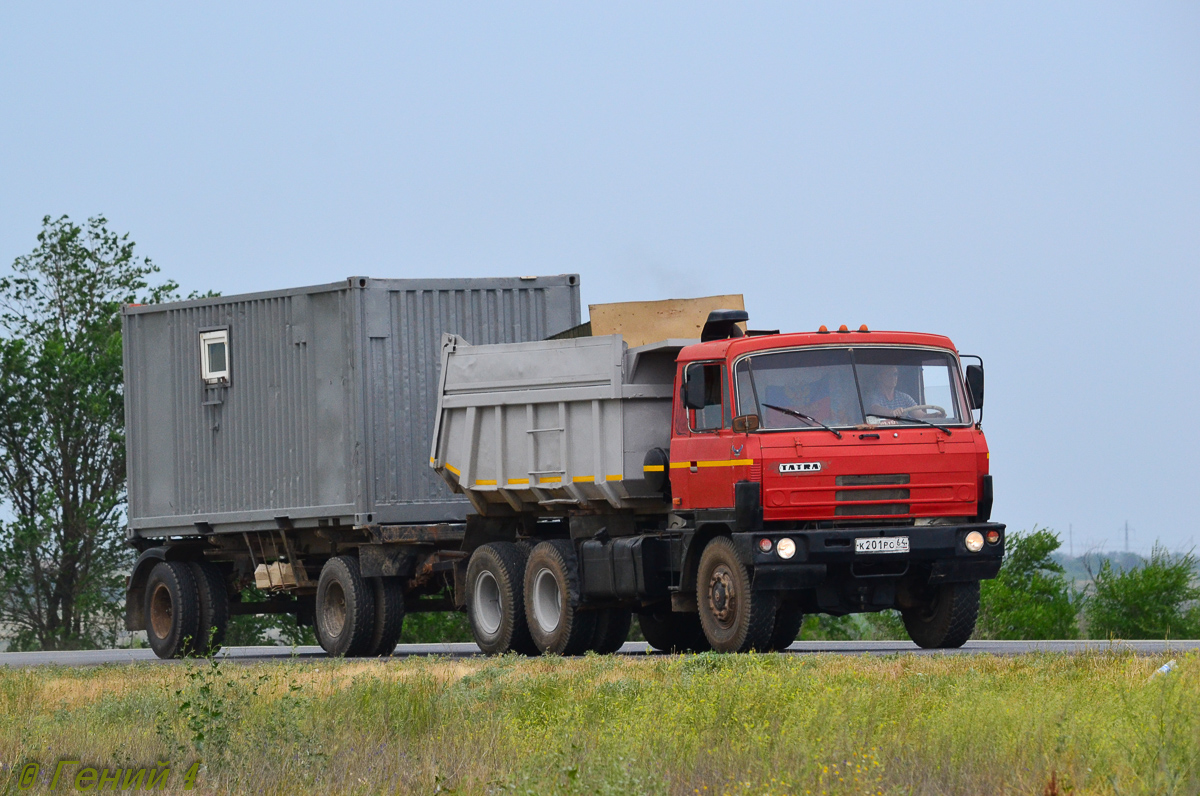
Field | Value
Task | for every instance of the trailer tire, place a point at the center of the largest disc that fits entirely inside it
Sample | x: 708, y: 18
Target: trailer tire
x: 948, y: 621
x: 214, y: 607
x: 552, y: 608
x: 788, y: 618
x: 389, y: 616
x: 735, y: 618
x: 172, y: 609
x: 668, y: 631
x: 612, y: 628
x: 496, y: 598
x: 345, y: 608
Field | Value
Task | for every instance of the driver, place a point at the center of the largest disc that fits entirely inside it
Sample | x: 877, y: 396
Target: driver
x: 885, y: 400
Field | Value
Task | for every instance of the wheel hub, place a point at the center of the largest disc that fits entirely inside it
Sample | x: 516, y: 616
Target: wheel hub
x: 333, y: 610
x: 161, y: 611
x: 722, y: 595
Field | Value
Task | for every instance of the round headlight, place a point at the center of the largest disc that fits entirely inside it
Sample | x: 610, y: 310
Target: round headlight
x: 974, y: 541
x: 786, y: 548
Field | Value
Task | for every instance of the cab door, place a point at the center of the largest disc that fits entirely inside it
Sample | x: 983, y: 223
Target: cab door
x: 706, y: 456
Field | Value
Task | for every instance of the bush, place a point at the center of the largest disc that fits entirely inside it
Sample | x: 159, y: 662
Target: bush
x: 1153, y: 601
x: 1030, y: 598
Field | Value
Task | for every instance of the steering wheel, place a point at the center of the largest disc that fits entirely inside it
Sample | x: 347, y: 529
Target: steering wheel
x: 932, y: 409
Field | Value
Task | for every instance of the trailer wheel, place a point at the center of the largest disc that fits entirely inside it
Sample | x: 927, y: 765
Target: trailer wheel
x: 556, y: 622
x: 345, y: 608
x: 496, y: 598
x: 214, y: 606
x: 673, y: 632
x: 389, y: 616
x: 172, y: 609
x: 788, y: 618
x: 948, y: 621
x: 735, y: 619
x: 612, y: 628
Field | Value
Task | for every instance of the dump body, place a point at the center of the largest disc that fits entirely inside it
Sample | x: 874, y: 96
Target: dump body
x: 324, y: 412
x: 556, y: 424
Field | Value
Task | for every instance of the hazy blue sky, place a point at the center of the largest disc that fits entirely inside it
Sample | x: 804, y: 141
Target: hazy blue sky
x: 1024, y: 178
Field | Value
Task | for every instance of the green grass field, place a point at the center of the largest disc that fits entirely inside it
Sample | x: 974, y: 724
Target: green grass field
x: 699, y: 724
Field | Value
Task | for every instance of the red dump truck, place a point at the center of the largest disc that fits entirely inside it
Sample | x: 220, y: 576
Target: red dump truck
x: 717, y: 488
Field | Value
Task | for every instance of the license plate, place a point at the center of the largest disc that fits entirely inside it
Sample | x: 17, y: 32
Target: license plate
x: 881, y: 544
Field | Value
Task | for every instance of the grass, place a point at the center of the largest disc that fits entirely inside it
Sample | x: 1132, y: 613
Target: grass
x: 687, y: 725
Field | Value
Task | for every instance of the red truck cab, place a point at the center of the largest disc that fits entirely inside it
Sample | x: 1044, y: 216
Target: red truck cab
x: 850, y: 466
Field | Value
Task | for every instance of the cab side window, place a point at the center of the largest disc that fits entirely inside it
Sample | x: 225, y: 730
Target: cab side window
x: 714, y: 414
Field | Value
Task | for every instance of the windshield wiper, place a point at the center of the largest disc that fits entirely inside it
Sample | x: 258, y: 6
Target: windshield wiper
x: 803, y: 416
x: 902, y: 418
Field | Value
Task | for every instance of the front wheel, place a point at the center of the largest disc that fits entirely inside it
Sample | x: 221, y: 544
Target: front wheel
x: 946, y: 622
x: 669, y: 631
x: 735, y: 619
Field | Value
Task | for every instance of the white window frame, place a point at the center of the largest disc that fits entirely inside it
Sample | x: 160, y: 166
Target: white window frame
x: 209, y: 375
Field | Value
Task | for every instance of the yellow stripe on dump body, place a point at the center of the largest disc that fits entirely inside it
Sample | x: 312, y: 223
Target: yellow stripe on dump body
x: 485, y: 482
x: 652, y: 468
x: 718, y: 463
x: 453, y: 469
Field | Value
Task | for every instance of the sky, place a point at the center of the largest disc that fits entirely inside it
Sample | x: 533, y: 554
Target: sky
x: 1021, y: 177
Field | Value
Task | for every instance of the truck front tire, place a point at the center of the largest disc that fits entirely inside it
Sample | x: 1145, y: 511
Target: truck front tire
x: 788, y: 618
x: 496, y: 598
x: 172, y: 609
x: 948, y: 621
x: 345, y: 608
x: 556, y: 623
x: 735, y: 618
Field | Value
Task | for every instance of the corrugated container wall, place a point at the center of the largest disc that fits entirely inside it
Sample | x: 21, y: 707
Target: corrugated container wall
x: 328, y: 407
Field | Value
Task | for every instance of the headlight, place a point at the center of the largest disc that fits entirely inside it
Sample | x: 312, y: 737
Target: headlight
x: 974, y: 541
x: 764, y: 545
x: 786, y: 548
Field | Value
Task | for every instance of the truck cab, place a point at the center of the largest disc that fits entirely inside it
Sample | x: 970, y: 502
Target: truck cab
x: 849, y: 465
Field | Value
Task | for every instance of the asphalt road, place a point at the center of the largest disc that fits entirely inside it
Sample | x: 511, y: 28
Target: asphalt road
x: 265, y: 654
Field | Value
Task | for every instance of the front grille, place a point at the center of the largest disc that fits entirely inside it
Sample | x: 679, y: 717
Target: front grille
x: 871, y: 494
x: 860, y: 510
x: 872, y: 480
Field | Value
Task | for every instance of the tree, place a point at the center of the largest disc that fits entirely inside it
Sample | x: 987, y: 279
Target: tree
x: 62, y: 443
x: 1156, y: 600
x: 1030, y: 598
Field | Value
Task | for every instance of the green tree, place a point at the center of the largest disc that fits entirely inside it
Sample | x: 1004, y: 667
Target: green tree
x: 62, y: 444
x: 1156, y: 600
x: 1030, y: 598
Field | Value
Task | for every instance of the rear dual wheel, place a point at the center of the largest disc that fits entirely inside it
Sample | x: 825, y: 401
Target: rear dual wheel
x: 186, y: 607
x: 496, y: 598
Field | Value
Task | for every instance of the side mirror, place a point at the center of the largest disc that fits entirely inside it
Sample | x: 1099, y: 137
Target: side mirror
x: 744, y: 424
x: 975, y: 385
x: 693, y: 387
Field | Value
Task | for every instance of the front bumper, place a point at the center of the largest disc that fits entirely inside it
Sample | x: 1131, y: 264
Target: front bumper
x: 938, y: 550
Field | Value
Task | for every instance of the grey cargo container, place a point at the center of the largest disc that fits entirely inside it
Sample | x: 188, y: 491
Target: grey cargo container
x: 550, y: 425
x: 319, y: 409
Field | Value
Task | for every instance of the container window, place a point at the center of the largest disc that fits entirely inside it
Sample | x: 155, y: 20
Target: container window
x: 214, y: 356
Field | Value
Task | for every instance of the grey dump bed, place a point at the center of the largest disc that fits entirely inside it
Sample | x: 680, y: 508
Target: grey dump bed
x: 319, y: 408
x: 555, y: 424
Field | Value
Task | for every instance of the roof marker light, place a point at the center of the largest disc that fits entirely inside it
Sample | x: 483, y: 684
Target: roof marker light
x: 843, y: 328
x: 823, y: 329
x: 863, y: 328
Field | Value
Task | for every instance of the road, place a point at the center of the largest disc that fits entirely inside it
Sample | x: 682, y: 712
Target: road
x: 265, y: 654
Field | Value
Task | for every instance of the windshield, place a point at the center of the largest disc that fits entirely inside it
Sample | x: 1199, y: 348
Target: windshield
x: 850, y: 387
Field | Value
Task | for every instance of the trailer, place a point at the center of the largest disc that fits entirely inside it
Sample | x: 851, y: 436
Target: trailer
x: 272, y: 433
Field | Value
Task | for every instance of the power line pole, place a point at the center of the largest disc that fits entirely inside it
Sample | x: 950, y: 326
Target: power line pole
x: 1071, y: 538
x: 1126, y: 536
